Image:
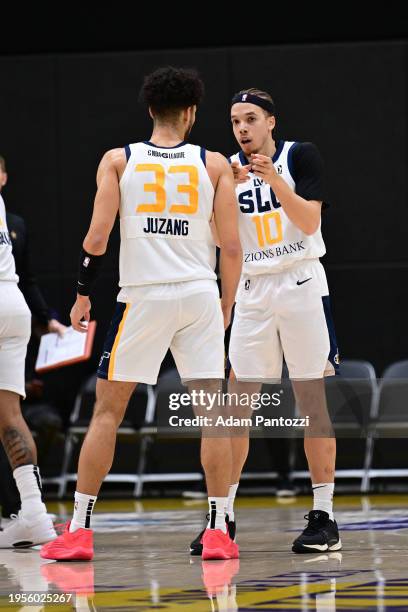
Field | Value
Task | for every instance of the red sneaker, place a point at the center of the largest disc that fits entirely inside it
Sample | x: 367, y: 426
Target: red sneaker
x: 218, y: 545
x: 75, y: 546
x: 70, y: 578
x: 218, y: 574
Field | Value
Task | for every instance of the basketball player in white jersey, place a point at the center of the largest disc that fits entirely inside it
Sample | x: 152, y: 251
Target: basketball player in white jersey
x: 32, y: 525
x: 283, y: 307
x: 166, y: 192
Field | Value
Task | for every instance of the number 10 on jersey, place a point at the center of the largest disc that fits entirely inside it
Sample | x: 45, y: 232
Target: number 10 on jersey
x: 263, y: 228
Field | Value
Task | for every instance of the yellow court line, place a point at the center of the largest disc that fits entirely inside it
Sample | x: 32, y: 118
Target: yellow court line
x: 116, y: 343
x: 171, y: 503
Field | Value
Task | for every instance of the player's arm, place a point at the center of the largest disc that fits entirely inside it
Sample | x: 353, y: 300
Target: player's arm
x: 304, y: 212
x: 106, y: 206
x: 214, y: 231
x: 226, y: 223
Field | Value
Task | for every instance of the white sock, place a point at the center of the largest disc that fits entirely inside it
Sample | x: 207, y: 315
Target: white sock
x: 28, y: 481
x: 217, y: 506
x: 231, y: 498
x: 84, y: 505
x: 323, y: 497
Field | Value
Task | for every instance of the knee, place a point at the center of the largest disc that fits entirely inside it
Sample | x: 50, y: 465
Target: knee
x: 107, y: 413
x: 208, y: 462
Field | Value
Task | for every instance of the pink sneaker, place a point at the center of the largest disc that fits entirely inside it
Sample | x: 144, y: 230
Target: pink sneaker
x: 75, y: 546
x: 68, y: 578
x: 218, y: 574
x: 218, y: 545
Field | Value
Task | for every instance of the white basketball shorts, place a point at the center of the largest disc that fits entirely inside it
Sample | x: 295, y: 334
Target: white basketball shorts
x: 15, y: 330
x: 185, y: 317
x: 284, y: 315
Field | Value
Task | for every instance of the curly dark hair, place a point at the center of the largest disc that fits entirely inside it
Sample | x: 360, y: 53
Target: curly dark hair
x: 169, y: 90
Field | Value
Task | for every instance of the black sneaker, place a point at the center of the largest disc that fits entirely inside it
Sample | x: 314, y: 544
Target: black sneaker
x: 320, y: 535
x: 196, y: 546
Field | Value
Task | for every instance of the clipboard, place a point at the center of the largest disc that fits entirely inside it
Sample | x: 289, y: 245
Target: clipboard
x: 55, y: 352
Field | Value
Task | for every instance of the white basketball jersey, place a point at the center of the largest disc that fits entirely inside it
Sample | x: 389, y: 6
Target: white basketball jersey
x: 165, y: 211
x: 270, y: 241
x: 7, y: 265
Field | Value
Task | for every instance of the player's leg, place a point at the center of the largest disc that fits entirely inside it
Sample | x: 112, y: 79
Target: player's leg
x: 32, y: 525
x: 256, y: 357
x: 98, y: 449
x: 95, y: 461
x: 129, y: 354
x: 198, y: 350
x: 15, y: 436
x: 120, y: 367
x: 216, y: 457
x: 238, y: 439
x: 319, y: 442
x: 320, y: 448
x: 239, y: 391
x: 307, y: 345
x: 9, y: 496
x: 216, y: 460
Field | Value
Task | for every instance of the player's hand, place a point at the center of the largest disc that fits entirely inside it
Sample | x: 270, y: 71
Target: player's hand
x: 263, y: 167
x: 240, y: 172
x: 56, y: 327
x: 80, y: 313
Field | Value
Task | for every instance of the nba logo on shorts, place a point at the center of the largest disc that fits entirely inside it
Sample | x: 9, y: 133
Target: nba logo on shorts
x: 105, y: 355
x: 247, y: 283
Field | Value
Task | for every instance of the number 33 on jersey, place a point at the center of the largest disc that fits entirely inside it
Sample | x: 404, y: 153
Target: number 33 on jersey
x: 165, y: 212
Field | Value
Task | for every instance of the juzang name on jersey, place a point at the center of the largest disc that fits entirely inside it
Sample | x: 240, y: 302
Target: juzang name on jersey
x: 172, y: 227
x: 287, y: 249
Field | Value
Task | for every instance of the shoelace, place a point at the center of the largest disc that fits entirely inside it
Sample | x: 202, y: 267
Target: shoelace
x: 314, y: 524
x: 15, y: 517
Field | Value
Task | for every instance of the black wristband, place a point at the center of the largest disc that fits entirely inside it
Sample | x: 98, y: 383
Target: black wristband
x: 88, y: 270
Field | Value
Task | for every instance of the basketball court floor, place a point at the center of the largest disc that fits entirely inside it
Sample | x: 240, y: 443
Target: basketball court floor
x: 142, y: 561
